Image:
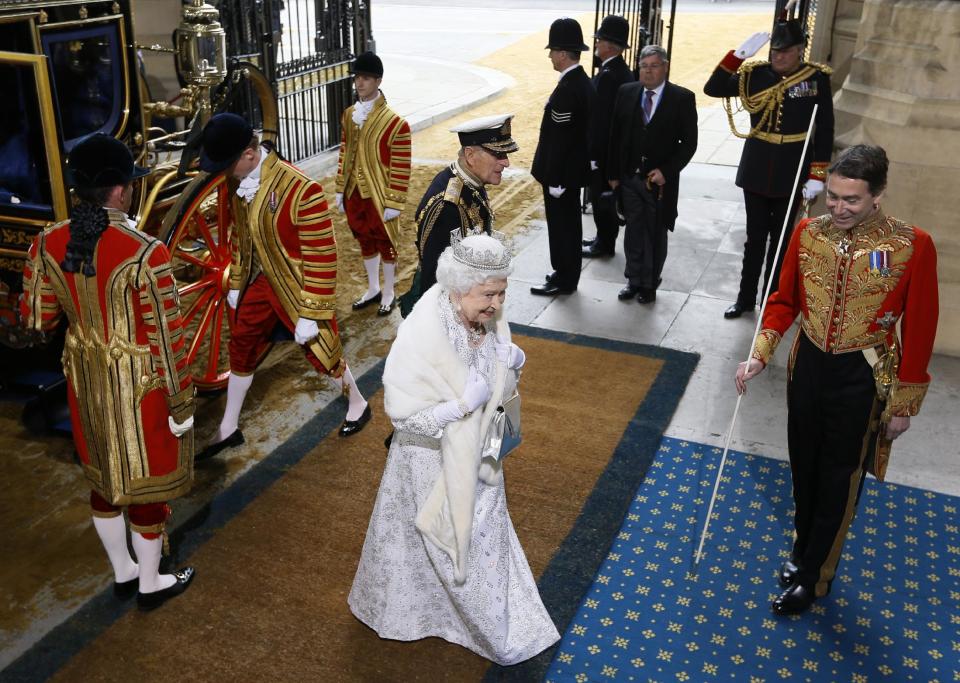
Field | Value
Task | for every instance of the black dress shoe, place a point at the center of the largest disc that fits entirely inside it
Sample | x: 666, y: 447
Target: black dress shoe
x: 363, y: 303
x: 551, y: 278
x: 124, y: 590
x: 588, y: 243
x: 794, y: 600
x: 350, y: 427
x: 788, y: 572
x: 647, y: 296
x: 736, y: 310
x: 234, y: 439
x: 551, y: 289
x: 595, y: 250
x: 149, y: 601
x: 628, y: 292
x: 386, y: 308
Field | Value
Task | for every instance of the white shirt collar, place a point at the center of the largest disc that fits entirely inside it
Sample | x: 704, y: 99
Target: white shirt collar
x: 249, y: 185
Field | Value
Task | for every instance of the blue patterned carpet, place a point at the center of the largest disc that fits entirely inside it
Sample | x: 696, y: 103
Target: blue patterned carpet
x: 893, y: 614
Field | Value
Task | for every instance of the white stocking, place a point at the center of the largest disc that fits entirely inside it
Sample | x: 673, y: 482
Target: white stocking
x: 373, y: 276
x: 356, y: 403
x: 148, y: 551
x: 113, y: 534
x: 389, y: 275
x: 237, y: 388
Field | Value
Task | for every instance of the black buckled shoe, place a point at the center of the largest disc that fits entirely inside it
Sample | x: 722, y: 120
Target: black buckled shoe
x: 385, y: 309
x: 124, y: 590
x: 788, y: 572
x: 628, y: 292
x: 647, y: 296
x: 149, y: 601
x: 736, y: 310
x: 213, y: 449
x: 363, y: 303
x: 351, y: 427
x: 794, y: 600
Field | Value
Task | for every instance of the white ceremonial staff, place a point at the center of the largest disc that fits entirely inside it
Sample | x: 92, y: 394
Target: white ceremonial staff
x: 756, y: 331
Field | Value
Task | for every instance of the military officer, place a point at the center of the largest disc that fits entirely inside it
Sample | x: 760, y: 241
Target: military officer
x: 611, y: 41
x: 780, y: 96
x: 284, y: 270
x: 561, y: 163
x: 373, y: 172
x: 130, y: 395
x: 457, y: 197
x: 853, y: 385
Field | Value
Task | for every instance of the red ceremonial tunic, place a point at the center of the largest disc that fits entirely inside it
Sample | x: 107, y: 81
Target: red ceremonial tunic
x: 123, y: 359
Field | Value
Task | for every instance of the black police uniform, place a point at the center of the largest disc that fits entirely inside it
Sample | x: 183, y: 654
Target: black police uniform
x: 607, y: 82
x: 780, y: 113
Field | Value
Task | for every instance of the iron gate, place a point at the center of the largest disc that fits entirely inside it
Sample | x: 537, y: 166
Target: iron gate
x: 305, y: 48
x: 646, y: 24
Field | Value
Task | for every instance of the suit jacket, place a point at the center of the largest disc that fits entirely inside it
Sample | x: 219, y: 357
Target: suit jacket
x: 124, y: 359
x: 607, y: 82
x: 769, y: 163
x: 562, y: 157
x: 668, y: 142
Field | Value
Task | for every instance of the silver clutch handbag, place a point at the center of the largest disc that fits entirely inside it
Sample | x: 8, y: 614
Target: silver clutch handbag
x: 504, y: 433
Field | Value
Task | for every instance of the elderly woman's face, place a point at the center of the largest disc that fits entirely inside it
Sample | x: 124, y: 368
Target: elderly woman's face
x: 483, y: 301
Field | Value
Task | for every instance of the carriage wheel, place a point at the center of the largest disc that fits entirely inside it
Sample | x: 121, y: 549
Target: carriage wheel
x: 198, y: 231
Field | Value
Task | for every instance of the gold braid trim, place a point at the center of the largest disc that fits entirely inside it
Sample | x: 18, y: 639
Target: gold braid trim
x: 905, y: 399
x: 765, y: 102
x: 765, y: 345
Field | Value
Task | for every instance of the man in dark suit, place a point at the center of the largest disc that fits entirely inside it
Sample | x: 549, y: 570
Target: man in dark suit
x: 652, y: 137
x: 562, y: 162
x: 614, y: 72
x: 779, y: 95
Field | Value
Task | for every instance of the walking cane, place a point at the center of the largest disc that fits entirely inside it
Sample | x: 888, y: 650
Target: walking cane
x: 756, y: 332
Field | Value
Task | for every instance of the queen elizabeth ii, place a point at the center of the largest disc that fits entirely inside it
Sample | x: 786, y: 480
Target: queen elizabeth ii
x: 441, y: 557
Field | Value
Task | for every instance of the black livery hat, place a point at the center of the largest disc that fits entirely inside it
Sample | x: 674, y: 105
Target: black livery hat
x: 225, y: 137
x: 367, y: 64
x: 614, y: 29
x: 489, y: 132
x: 101, y: 160
x: 787, y: 34
x: 566, y: 34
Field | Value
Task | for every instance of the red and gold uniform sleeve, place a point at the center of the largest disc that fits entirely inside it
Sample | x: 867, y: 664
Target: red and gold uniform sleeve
x: 39, y: 308
x: 398, y: 155
x: 724, y: 81
x: 918, y: 329
x: 318, y: 253
x: 784, y: 305
x: 341, y: 178
x: 160, y: 309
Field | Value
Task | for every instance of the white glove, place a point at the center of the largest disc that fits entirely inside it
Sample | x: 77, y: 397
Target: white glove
x: 511, y: 354
x: 477, y: 392
x: 811, y: 189
x: 306, y: 330
x: 445, y: 413
x: 339, y: 200
x: 390, y: 214
x: 593, y: 166
x: 178, y: 429
x: 752, y: 45
x: 556, y: 192
x: 233, y: 298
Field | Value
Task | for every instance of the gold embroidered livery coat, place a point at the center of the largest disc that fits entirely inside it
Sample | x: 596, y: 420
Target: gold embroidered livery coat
x: 123, y: 358
x: 286, y: 233
x: 851, y: 288
x: 375, y: 160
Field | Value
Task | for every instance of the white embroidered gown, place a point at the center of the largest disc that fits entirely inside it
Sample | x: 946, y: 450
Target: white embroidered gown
x: 404, y: 588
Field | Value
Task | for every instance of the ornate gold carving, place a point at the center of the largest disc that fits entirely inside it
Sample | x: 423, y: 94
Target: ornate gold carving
x: 83, y: 12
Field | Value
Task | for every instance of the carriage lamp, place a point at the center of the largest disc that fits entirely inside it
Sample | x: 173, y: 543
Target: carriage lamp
x: 201, y: 45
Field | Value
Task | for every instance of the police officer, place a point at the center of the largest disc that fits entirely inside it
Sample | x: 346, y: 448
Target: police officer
x: 562, y: 160
x: 611, y: 41
x: 780, y: 96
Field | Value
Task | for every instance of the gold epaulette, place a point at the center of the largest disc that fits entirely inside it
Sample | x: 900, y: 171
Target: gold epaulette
x: 454, y: 188
x: 747, y: 67
x: 820, y: 67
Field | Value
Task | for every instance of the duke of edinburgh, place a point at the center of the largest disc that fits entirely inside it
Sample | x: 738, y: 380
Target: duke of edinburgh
x: 129, y: 390
x: 373, y: 172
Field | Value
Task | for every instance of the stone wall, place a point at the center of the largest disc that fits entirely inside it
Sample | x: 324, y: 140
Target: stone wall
x: 902, y: 92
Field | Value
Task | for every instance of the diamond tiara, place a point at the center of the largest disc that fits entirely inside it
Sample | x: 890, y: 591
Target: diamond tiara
x: 481, y: 259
